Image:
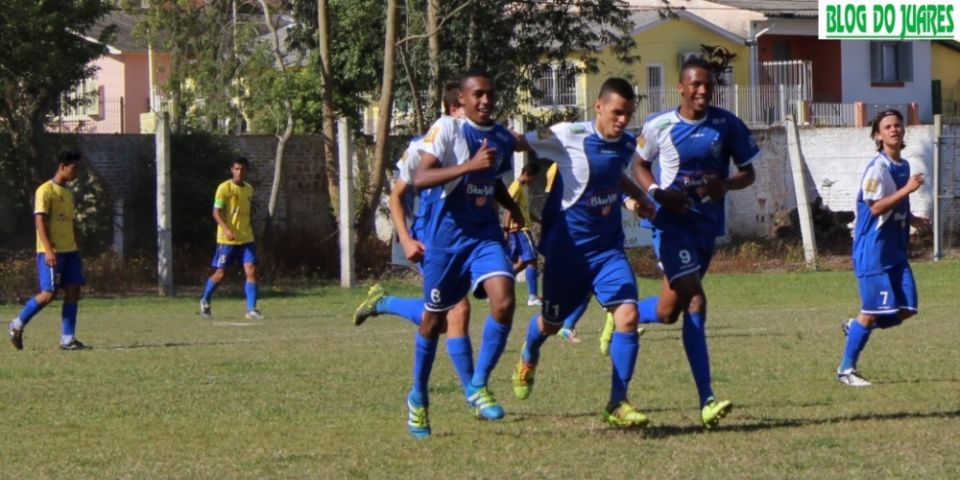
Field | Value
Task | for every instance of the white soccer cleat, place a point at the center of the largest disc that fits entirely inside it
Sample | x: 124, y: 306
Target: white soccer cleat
x: 533, y: 301
x: 254, y: 315
x: 853, y: 378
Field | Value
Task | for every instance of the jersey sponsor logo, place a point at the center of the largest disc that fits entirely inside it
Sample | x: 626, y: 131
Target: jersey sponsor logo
x: 871, y: 185
x: 719, y: 121
x: 642, y: 142
x: 502, y: 137
x: 431, y: 135
x: 544, y: 133
x: 480, y: 192
x: 578, y: 129
x: 664, y: 123
x: 604, y: 201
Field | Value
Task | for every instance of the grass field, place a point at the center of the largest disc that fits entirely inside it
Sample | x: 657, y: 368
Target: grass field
x: 304, y: 394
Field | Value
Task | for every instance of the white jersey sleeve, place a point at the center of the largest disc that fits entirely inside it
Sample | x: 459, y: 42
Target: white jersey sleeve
x: 647, y: 145
x: 877, y: 182
x: 441, y: 141
x: 407, y: 165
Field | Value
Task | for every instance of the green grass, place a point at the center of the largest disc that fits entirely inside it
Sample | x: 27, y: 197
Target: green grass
x: 304, y: 394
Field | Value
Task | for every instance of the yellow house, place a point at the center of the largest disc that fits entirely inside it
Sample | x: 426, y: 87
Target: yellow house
x: 662, y: 45
x: 945, y: 72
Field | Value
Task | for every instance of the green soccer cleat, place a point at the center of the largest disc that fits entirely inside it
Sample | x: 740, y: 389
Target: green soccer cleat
x: 713, y: 411
x: 523, y: 377
x: 368, y: 308
x: 623, y: 415
x: 606, y: 335
x: 418, y: 421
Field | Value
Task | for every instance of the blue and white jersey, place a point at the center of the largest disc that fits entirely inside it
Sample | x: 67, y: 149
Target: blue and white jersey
x: 582, y: 214
x: 689, y: 153
x: 467, y: 209
x: 406, y: 169
x: 880, y: 242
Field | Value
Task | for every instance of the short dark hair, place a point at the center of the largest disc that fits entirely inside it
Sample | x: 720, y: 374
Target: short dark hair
x: 451, y: 94
x: 68, y: 157
x: 241, y: 161
x: 875, y: 125
x: 695, y: 62
x: 619, y: 86
x: 475, y: 72
x: 531, y: 169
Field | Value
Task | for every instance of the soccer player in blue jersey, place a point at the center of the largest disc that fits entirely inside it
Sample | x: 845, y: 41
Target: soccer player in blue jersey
x: 58, y: 259
x: 694, y: 145
x: 888, y: 293
x: 465, y: 251
x: 231, y: 211
x: 582, y: 240
x: 523, y: 254
x: 401, y: 208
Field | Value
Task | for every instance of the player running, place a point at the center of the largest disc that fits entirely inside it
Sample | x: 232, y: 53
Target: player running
x: 694, y: 145
x: 523, y: 254
x: 888, y: 293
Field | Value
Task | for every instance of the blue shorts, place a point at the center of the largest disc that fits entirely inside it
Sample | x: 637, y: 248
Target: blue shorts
x: 681, y: 253
x: 69, y: 271
x: 521, y: 246
x: 227, y: 255
x: 568, y: 283
x: 888, y: 292
x: 450, y: 276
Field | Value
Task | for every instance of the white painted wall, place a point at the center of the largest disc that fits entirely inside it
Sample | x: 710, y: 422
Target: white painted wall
x: 855, y: 76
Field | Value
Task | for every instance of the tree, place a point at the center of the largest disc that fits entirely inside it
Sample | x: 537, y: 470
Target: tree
x: 46, y: 53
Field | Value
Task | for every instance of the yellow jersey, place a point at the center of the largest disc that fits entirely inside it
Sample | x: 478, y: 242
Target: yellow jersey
x: 518, y: 192
x: 56, y: 203
x: 551, y: 175
x: 233, y: 201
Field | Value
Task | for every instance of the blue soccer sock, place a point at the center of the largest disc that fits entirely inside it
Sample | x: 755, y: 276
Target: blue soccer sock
x: 648, y: 310
x: 570, y: 322
x: 251, y: 289
x: 856, y: 339
x: 624, y: 348
x: 531, y: 274
x: 425, y: 351
x: 888, y: 321
x: 494, y: 340
x: 695, y: 344
x: 408, y: 308
x: 68, y: 324
x: 208, y: 291
x: 535, y: 340
x: 461, y: 355
x: 30, y: 309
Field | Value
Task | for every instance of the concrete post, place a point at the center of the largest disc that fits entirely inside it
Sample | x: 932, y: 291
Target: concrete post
x: 800, y: 189
x: 118, y: 228
x: 164, y: 234
x: 937, y: 227
x: 859, y: 114
x: 345, y: 148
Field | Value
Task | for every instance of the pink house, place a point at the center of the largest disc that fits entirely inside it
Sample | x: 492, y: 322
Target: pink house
x: 121, y: 86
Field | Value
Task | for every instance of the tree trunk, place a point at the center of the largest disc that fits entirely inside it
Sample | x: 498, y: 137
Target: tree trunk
x: 329, y: 114
x: 287, y: 130
x: 371, y: 201
x: 434, y: 85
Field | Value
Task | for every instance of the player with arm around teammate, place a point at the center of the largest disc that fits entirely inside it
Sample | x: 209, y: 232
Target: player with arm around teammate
x: 582, y: 241
x: 888, y: 292
x: 694, y: 145
x: 457, y: 326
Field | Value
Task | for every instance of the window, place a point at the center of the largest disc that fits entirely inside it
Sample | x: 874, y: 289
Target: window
x: 655, y: 87
x: 556, y: 85
x: 891, y: 62
x: 82, y: 102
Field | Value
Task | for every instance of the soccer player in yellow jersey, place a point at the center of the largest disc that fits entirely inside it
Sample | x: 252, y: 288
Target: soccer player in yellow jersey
x: 231, y: 210
x: 58, y: 261
x: 523, y: 254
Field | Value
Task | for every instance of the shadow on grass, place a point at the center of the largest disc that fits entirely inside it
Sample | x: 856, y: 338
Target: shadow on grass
x: 665, y: 431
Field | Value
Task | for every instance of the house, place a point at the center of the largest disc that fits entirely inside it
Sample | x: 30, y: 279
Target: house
x: 877, y: 73
x: 662, y: 42
x: 945, y: 57
x: 122, y: 88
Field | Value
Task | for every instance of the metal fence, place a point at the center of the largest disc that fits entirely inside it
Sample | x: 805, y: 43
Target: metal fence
x: 104, y: 115
x: 760, y: 106
x: 823, y: 114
